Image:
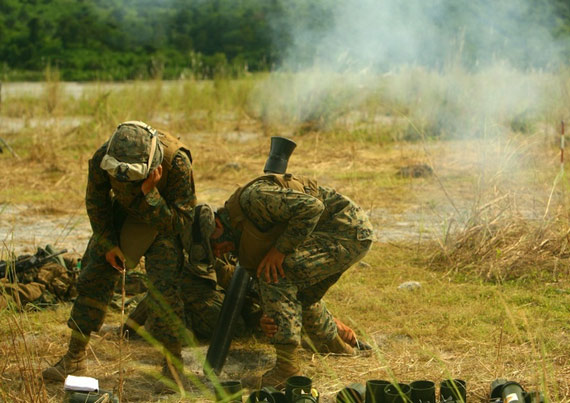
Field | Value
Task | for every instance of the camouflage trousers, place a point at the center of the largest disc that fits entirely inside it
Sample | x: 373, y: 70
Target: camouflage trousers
x: 97, y: 280
x: 202, y: 299
x: 202, y: 306
x: 294, y: 302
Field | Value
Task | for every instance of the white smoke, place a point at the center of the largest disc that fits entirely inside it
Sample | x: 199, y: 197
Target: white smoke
x: 452, y: 63
x: 372, y: 33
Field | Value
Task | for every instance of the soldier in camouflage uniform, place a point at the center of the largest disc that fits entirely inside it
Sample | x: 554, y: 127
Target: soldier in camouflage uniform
x: 140, y: 194
x: 297, y: 238
x: 203, y: 296
x: 201, y: 284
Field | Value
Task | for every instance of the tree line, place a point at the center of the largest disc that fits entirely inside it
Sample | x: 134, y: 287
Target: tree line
x: 128, y: 39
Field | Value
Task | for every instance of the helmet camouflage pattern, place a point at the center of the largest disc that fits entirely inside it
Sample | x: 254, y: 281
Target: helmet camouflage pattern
x: 129, y: 151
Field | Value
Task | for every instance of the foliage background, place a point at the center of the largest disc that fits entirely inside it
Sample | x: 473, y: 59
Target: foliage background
x: 133, y: 39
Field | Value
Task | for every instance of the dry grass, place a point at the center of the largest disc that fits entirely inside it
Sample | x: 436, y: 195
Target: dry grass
x: 447, y: 328
x: 24, y: 363
x: 486, y: 236
x: 506, y: 247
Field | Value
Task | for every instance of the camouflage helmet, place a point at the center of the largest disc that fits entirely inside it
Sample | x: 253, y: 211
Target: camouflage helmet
x: 202, y: 229
x: 133, y: 151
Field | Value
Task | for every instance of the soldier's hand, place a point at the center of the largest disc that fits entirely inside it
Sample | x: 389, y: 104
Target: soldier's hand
x: 116, y: 258
x: 153, y: 178
x: 346, y: 333
x: 271, y: 267
x: 268, y: 326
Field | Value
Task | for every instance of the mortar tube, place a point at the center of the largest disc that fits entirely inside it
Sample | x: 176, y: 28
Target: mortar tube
x: 423, y: 391
x: 260, y: 396
x: 298, y: 395
x: 297, y: 382
x: 354, y: 393
x: 456, y: 389
x: 277, y: 395
x: 398, y: 393
x: 229, y: 391
x: 224, y: 330
x: 375, y: 390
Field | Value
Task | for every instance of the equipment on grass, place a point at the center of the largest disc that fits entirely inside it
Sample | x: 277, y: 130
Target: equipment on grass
x: 25, y: 263
x: 505, y: 391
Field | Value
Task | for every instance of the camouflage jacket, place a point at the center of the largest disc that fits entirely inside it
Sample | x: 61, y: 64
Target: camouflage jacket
x: 169, y: 211
x: 269, y: 205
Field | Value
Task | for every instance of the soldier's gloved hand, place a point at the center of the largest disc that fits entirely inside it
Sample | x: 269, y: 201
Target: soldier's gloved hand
x: 272, y: 266
x: 268, y: 326
x: 116, y: 258
x: 152, y: 179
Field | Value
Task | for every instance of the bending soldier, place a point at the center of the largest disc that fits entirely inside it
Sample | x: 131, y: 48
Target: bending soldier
x: 297, y: 238
x: 140, y: 198
x: 201, y: 284
x: 202, y: 291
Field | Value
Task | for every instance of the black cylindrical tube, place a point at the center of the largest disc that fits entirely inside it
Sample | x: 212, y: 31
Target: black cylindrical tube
x: 354, y: 393
x: 423, y: 391
x: 454, y: 389
x: 223, y: 332
x: 260, y: 396
x: 297, y: 382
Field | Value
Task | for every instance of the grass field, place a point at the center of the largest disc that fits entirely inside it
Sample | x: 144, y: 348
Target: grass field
x: 485, y: 231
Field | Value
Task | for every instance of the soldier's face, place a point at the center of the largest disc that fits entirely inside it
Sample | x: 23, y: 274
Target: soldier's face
x: 222, y: 248
x: 218, y: 231
x: 126, y: 188
x: 221, y: 241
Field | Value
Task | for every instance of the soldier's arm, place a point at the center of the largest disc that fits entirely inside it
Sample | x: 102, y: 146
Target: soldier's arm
x: 173, y: 210
x: 299, y: 211
x: 98, y: 204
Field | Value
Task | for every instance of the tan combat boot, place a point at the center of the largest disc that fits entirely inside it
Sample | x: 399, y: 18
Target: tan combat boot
x: 171, y: 376
x: 286, y: 365
x: 73, y: 362
x: 336, y: 346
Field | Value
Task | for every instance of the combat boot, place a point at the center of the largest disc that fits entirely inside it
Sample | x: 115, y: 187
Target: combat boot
x: 136, y: 319
x: 286, y: 365
x: 171, y: 376
x: 73, y: 362
x: 336, y: 346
